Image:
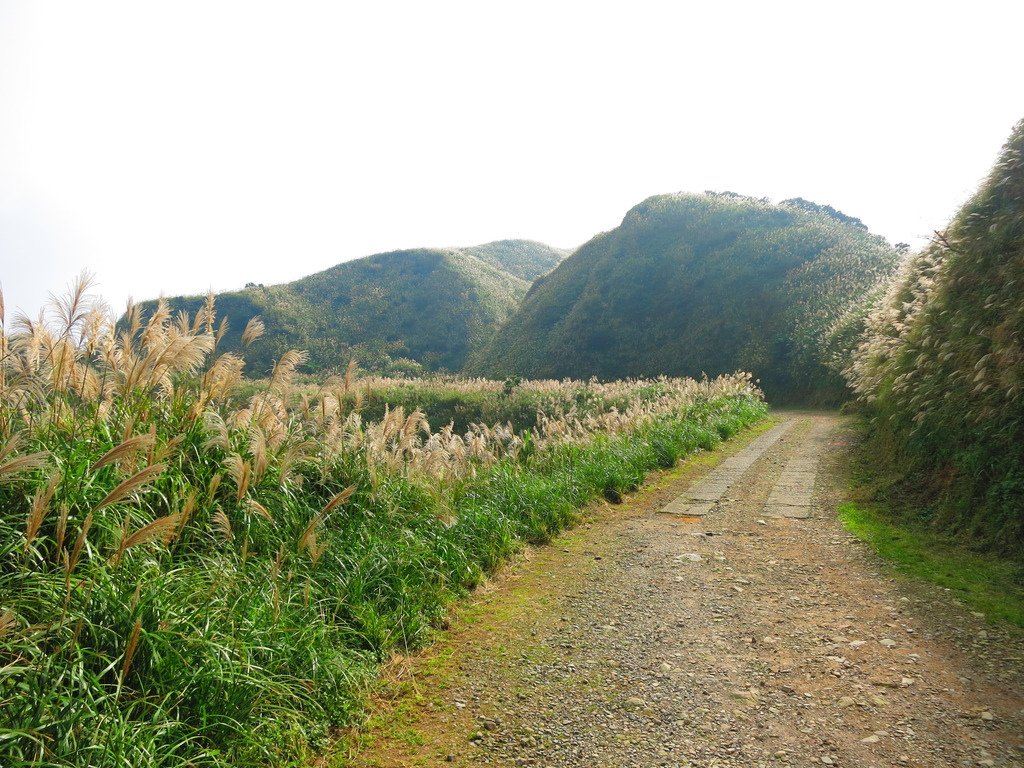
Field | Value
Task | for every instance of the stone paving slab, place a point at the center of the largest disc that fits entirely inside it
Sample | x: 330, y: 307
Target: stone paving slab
x: 703, y: 496
x: 707, y: 493
x: 794, y: 512
x: 685, y: 507
x: 792, y: 496
x: 795, y: 479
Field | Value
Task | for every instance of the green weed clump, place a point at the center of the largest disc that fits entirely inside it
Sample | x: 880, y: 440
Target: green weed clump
x: 195, y: 571
x: 941, y: 370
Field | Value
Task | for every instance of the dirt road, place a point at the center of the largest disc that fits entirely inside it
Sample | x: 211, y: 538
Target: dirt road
x: 721, y: 617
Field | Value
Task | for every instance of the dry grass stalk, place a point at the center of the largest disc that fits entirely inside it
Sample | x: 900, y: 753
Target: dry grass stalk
x: 253, y: 330
x: 350, y: 374
x: 63, y: 356
x: 258, y: 450
x: 162, y: 529
x: 208, y: 312
x: 62, y: 528
x: 130, y: 446
x: 222, y: 330
x: 316, y: 550
x: 72, y: 307
x: 284, y: 369
x: 156, y: 328
x: 11, y: 446
x: 24, y: 463
x: 211, y: 492
x: 133, y: 316
x: 259, y: 509
x: 241, y: 473
x: 134, y: 483
x: 339, y: 498
x: 182, y: 322
x: 290, y: 458
x: 130, y: 649
x: 40, y: 506
x: 222, y: 525
x: 217, y: 432
x: 8, y: 619
x: 187, y: 509
x: 160, y: 453
x: 308, y: 538
x: 221, y: 378
x: 76, y: 552
x: 275, y: 569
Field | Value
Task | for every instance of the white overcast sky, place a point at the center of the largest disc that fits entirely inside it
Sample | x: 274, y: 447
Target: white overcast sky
x: 177, y: 146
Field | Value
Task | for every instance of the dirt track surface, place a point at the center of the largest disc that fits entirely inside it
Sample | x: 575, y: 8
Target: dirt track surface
x: 745, y: 637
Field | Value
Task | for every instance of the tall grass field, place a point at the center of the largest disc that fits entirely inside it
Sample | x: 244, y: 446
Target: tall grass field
x: 196, y: 570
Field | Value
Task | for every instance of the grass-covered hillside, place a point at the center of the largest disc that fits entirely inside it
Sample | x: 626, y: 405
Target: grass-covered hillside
x: 395, y: 311
x: 942, y: 366
x: 703, y: 283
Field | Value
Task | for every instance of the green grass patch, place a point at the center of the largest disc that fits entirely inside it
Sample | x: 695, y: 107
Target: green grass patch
x: 984, y: 582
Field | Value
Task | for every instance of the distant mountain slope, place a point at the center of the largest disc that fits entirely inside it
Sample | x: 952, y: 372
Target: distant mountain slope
x: 702, y: 283
x: 527, y: 259
x: 431, y: 305
x: 942, y: 366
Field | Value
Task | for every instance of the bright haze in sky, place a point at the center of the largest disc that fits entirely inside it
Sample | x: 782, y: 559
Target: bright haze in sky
x: 176, y: 147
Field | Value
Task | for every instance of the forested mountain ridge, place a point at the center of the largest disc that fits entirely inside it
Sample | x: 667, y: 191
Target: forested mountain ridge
x: 527, y: 259
x: 406, y: 310
x: 703, y: 283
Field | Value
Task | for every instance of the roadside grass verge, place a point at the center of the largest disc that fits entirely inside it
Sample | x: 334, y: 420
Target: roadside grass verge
x: 197, y: 574
x: 986, y: 583
x: 250, y: 643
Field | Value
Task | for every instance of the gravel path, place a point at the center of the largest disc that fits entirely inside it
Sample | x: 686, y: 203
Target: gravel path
x: 759, y: 633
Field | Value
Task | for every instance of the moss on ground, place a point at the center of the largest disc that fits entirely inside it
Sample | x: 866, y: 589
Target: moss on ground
x: 984, y: 582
